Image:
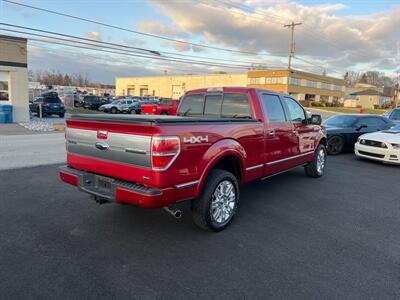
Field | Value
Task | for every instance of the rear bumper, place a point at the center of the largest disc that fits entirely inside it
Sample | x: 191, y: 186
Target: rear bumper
x: 114, y: 190
x: 54, y: 110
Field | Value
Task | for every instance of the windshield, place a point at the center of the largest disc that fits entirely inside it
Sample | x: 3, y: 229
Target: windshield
x: 165, y: 102
x: 394, y: 129
x: 340, y: 121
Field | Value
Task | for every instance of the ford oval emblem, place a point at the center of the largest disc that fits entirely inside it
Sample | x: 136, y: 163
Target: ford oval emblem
x: 102, y: 146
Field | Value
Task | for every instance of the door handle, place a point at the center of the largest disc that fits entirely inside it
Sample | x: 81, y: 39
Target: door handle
x: 271, y: 133
x: 294, y: 132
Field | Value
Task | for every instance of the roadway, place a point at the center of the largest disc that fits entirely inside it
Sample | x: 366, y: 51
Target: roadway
x: 294, y: 237
x: 28, y: 150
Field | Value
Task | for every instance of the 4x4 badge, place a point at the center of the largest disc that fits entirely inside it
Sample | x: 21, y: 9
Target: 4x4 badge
x: 195, y: 139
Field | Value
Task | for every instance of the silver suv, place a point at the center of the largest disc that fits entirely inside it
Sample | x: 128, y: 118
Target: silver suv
x: 118, y: 106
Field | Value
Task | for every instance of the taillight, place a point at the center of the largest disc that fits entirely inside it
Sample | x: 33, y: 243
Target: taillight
x: 154, y: 109
x: 164, y: 151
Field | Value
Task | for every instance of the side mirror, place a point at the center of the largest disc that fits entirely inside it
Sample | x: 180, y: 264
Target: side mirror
x: 315, y: 120
x: 361, y: 127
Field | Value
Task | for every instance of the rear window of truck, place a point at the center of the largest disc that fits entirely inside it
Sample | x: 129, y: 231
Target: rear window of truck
x: 228, y: 105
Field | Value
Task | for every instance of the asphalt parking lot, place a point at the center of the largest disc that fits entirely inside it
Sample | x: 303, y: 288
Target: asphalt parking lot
x: 293, y: 238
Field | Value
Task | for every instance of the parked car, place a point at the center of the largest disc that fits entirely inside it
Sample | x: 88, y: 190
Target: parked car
x: 136, y: 106
x: 78, y: 100
x: 343, y: 130
x: 383, y: 146
x: 94, y: 102
x: 118, y: 106
x: 51, y: 105
x: 164, y: 107
x: 222, y: 137
x: 393, y: 115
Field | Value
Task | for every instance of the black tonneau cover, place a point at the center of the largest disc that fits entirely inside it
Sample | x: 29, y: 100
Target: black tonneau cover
x: 157, y: 119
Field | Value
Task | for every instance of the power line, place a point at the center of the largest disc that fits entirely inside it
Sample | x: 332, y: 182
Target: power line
x: 316, y: 31
x: 130, y: 30
x: 123, y: 52
x: 151, y: 51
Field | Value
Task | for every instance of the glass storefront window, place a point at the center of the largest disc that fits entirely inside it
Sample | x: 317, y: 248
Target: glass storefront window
x: 4, y: 86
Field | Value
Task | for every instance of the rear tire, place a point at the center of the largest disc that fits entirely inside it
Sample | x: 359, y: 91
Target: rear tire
x: 335, y: 145
x: 113, y: 110
x: 164, y: 113
x: 316, y: 168
x: 217, y: 205
x: 133, y: 112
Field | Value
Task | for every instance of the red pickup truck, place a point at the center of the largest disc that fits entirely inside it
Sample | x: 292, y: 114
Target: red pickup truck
x: 164, y: 107
x: 221, y: 137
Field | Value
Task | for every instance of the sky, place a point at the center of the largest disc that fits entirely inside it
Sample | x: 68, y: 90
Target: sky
x: 334, y: 37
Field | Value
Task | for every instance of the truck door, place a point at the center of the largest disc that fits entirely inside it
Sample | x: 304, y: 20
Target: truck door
x: 304, y: 135
x: 279, y: 133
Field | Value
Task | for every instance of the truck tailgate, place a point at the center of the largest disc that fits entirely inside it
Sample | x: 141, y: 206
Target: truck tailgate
x: 110, y: 147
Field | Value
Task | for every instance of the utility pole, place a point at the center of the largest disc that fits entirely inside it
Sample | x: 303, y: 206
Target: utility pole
x: 292, y: 43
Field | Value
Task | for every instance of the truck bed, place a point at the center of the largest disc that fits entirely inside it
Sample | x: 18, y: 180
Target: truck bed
x: 157, y: 119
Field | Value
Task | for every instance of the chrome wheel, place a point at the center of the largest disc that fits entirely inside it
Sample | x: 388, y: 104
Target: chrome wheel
x: 223, y: 202
x: 321, y: 157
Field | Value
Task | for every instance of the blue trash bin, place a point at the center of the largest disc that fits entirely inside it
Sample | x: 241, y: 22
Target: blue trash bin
x: 6, y: 113
x: 2, y: 117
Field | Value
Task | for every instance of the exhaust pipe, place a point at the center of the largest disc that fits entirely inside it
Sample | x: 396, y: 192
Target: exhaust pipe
x: 176, y: 213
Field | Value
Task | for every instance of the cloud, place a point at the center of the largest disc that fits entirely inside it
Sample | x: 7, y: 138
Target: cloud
x: 104, y: 67
x: 100, y: 67
x: 134, y: 42
x: 93, y: 35
x: 161, y: 29
x: 337, y: 41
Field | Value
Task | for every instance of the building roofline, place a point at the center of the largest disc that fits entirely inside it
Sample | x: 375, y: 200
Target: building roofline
x: 178, y: 75
x: 10, y: 37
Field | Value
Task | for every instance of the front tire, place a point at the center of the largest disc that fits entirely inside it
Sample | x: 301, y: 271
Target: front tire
x: 335, y: 145
x: 133, y: 112
x: 61, y: 115
x: 217, y: 205
x: 316, y: 168
x: 113, y: 110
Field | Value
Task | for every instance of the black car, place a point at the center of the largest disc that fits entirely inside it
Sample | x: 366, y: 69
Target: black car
x: 393, y: 115
x: 51, y: 105
x: 343, y: 130
x: 93, y: 102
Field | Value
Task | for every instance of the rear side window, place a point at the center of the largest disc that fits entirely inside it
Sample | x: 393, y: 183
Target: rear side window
x: 273, y: 107
x: 212, y: 106
x: 371, y: 121
x: 236, y: 105
x: 395, y: 115
x: 192, y: 105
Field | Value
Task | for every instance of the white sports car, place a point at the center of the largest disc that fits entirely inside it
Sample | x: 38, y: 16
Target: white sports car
x: 383, y: 145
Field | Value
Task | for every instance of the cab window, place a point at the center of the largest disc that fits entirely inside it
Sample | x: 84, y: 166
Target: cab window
x: 235, y: 105
x: 192, y: 105
x: 296, y: 111
x: 212, y: 106
x: 273, y: 108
